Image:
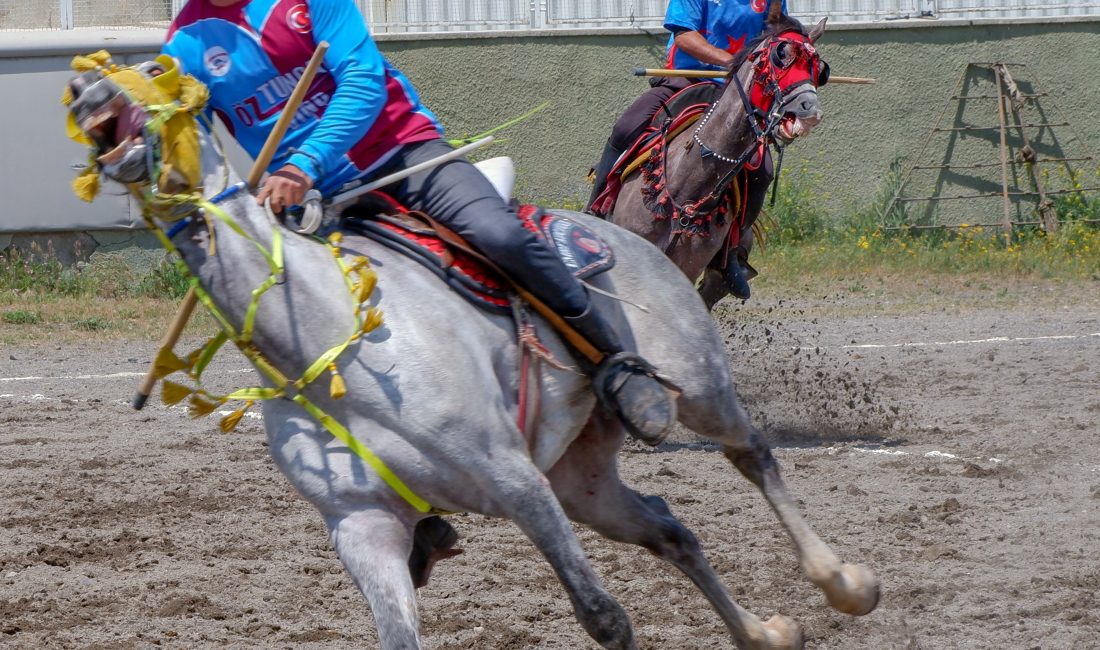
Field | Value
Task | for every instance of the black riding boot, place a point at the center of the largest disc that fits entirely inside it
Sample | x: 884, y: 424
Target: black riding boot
x: 738, y: 271
x: 600, y: 172
x: 736, y: 278
x: 625, y: 383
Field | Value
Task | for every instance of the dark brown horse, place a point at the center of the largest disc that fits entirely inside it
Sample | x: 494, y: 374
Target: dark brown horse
x: 693, y: 187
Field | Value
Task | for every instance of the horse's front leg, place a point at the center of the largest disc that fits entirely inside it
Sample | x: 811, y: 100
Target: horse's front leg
x: 370, y: 528
x: 587, y: 482
x: 374, y: 546
x: 850, y: 588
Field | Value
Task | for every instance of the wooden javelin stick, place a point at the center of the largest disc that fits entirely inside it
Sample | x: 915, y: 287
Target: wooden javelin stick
x: 715, y: 74
x: 274, y: 139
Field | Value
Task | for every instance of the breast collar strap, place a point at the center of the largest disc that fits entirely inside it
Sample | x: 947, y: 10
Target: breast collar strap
x: 762, y: 135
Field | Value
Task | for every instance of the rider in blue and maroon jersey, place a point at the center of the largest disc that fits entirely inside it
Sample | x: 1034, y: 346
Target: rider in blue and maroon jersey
x: 250, y: 55
x: 361, y: 119
x: 706, y: 34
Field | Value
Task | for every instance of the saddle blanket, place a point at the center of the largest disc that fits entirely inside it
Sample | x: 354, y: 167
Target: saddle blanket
x: 583, y: 252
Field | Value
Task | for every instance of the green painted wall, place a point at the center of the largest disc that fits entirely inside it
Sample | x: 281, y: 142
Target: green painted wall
x: 474, y: 84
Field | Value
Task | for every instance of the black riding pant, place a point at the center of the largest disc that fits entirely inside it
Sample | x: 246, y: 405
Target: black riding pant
x: 459, y: 196
x: 637, y: 116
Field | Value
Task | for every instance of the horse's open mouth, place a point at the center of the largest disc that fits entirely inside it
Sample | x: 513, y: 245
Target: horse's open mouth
x: 793, y: 127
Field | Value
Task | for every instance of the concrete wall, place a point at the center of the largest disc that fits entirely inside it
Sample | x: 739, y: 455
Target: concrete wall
x: 474, y: 83
x: 866, y: 127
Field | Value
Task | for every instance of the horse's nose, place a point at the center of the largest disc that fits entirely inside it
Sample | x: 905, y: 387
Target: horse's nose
x: 812, y: 115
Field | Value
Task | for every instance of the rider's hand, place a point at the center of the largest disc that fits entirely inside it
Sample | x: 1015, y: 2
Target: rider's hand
x: 286, y: 187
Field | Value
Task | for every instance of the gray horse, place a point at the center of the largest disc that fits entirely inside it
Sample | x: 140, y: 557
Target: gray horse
x: 433, y: 393
x: 691, y: 176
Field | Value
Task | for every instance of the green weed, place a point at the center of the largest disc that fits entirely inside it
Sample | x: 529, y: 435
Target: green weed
x: 22, y: 317
x: 93, y: 324
x: 38, y: 272
x: 801, y: 241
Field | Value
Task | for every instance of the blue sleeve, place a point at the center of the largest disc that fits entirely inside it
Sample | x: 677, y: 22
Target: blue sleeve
x: 182, y: 49
x: 684, y: 14
x: 359, y: 71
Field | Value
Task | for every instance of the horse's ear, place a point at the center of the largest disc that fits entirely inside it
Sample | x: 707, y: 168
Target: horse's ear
x: 818, y: 30
x: 775, y: 12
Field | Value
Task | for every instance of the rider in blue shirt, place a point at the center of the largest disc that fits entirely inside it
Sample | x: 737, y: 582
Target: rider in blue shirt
x: 706, y: 34
x: 724, y: 25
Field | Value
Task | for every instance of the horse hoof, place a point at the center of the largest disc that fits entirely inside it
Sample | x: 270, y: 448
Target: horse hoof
x: 855, y: 592
x: 782, y: 633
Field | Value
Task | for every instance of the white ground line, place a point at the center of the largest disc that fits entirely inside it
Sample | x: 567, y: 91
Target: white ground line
x: 853, y: 346
x: 924, y: 344
x: 937, y: 455
x: 113, y: 375
x: 931, y: 455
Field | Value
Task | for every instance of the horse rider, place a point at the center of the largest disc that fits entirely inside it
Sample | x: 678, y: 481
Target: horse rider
x: 362, y: 119
x: 706, y: 34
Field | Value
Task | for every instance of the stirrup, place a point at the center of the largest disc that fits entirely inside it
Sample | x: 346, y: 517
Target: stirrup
x: 610, y: 377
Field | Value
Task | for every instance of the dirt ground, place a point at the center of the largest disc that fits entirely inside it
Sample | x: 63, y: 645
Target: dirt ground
x: 945, y: 433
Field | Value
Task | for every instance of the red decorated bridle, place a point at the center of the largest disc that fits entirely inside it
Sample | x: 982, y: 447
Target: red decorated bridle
x: 783, y: 65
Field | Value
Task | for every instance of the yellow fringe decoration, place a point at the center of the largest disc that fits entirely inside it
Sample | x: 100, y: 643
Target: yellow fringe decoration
x: 372, y: 320
x: 86, y: 186
x: 201, y: 406
x: 230, y: 422
x: 173, y: 393
x: 193, y: 94
x: 337, y: 389
x: 91, y: 61
x: 335, y: 238
x: 367, y: 281
x: 167, y: 362
x: 66, y: 96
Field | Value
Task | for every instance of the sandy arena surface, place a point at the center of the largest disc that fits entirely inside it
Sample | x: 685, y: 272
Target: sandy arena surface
x: 946, y: 436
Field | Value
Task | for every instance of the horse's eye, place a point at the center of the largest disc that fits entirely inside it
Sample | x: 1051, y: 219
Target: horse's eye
x: 781, y: 55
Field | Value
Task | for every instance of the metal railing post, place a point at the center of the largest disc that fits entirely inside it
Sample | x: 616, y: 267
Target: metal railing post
x: 65, y: 13
x: 539, y: 9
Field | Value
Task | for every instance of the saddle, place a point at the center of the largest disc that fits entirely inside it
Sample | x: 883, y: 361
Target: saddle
x: 416, y: 235
x: 678, y: 113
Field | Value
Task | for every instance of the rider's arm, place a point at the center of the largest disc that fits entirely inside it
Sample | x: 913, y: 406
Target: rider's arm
x: 686, y: 19
x: 359, y: 70
x: 695, y: 44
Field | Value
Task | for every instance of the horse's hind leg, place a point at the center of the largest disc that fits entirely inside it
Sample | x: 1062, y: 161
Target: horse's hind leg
x: 587, y: 482
x: 713, y: 287
x: 525, y: 497
x: 374, y: 547
x: 850, y: 588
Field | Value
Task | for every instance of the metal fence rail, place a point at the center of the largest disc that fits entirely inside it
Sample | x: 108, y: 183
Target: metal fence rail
x: 412, y: 16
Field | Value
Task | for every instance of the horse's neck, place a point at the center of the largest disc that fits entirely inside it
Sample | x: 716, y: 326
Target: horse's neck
x: 309, y: 300
x: 726, y: 132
